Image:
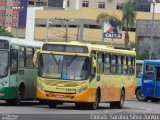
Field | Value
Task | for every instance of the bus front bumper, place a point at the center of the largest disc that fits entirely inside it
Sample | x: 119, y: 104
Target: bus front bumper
x: 8, y: 93
x: 86, y: 96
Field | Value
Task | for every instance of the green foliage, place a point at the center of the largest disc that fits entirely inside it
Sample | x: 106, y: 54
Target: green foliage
x: 105, y: 17
x: 4, y: 32
x: 144, y: 55
x: 129, y: 14
x: 132, y: 45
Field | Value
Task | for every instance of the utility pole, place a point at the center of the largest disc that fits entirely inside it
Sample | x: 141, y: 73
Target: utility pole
x: 66, y: 25
x: 152, y: 26
x: 47, y: 22
x: 151, y: 45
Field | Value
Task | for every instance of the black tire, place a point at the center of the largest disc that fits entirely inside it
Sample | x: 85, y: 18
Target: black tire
x: 13, y: 102
x: 20, y: 97
x: 52, y: 104
x: 154, y: 100
x: 80, y: 106
x: 119, y: 104
x: 113, y: 105
x: 140, y: 96
x: 94, y: 105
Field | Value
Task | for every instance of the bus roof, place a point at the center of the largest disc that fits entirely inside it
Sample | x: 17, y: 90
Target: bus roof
x: 139, y: 61
x: 152, y: 61
x: 96, y: 47
x: 23, y: 42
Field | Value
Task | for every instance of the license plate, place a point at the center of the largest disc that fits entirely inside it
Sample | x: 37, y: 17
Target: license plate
x: 59, y: 96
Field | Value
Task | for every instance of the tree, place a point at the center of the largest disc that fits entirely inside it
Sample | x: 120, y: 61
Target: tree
x: 4, y: 32
x: 128, y: 19
x: 105, y: 17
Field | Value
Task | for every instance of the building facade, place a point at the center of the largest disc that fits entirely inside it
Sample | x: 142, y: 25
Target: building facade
x: 148, y: 37
x: 9, y: 11
x: 101, y: 4
x: 81, y: 26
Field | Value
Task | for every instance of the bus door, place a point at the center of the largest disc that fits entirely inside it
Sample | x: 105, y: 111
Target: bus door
x: 157, y: 82
x: 148, y: 81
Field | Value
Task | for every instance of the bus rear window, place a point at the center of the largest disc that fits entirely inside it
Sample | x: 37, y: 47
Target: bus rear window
x: 65, y: 48
x: 4, y: 44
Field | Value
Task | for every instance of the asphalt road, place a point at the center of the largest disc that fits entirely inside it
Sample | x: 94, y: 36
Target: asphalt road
x: 33, y: 110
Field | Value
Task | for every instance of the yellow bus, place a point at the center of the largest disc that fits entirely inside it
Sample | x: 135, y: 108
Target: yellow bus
x: 85, y: 74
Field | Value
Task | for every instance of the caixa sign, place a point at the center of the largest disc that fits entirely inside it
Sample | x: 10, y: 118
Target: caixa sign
x: 111, y: 30
x: 113, y: 35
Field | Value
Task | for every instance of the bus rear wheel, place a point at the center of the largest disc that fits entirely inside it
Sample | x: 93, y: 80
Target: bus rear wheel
x: 140, y: 96
x: 119, y: 104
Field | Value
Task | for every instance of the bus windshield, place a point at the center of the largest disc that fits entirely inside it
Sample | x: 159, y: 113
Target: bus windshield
x: 3, y: 63
x: 63, y: 66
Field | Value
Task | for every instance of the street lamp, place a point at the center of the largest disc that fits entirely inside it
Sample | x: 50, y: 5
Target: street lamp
x: 18, y: 9
x: 151, y: 45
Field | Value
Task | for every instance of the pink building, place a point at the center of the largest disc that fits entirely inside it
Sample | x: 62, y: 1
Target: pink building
x: 8, y: 13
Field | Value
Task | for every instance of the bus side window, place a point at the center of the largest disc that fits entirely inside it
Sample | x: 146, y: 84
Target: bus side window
x: 22, y: 57
x: 149, y: 71
x: 113, y: 64
x: 130, y: 65
x: 106, y: 63
x: 29, y: 57
x: 100, y: 63
x: 14, y: 60
x: 120, y: 65
x: 125, y: 65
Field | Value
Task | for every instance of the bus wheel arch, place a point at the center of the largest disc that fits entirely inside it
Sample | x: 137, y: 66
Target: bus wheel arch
x: 139, y: 95
x: 94, y: 105
x: 21, y: 91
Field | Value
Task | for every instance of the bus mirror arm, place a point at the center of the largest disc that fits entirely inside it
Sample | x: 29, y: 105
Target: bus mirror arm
x: 35, y: 58
x: 93, y: 71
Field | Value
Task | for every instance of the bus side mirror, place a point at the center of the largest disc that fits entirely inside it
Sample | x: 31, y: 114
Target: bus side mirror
x: 93, y: 68
x: 35, y: 58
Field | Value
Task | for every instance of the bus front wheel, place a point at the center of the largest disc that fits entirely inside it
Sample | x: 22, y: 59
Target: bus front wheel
x: 94, y: 105
x: 52, y: 104
x: 140, y: 96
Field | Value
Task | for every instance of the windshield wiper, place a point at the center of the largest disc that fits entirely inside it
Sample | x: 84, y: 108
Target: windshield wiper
x: 72, y: 60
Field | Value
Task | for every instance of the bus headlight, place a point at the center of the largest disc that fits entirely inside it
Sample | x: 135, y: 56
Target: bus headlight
x: 3, y: 84
x: 40, y: 86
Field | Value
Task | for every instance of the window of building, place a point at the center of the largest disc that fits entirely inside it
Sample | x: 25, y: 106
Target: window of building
x: 119, y: 6
x: 101, y: 5
x: 92, y: 26
x: 85, y: 4
x: 68, y: 3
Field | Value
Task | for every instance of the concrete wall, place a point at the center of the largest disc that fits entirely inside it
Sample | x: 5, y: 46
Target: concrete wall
x: 145, y: 29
